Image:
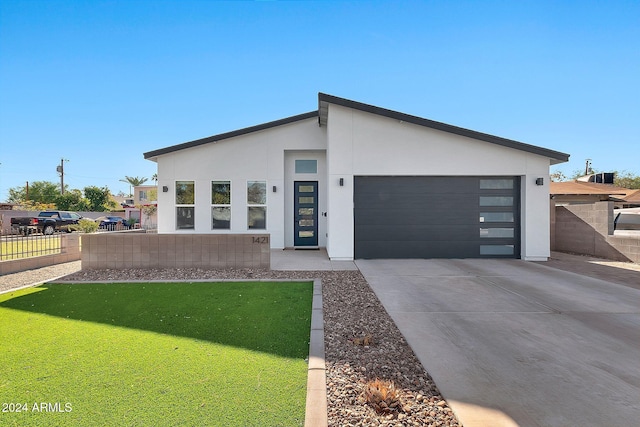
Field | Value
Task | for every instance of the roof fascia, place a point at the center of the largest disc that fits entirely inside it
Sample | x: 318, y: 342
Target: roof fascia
x: 155, y: 153
x: 325, y: 99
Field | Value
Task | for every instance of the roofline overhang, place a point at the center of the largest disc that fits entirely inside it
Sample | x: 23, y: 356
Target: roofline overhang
x: 152, y: 155
x: 321, y: 114
x: 324, y: 100
x: 587, y: 194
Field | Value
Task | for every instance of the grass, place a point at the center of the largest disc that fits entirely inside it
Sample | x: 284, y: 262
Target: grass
x: 25, y: 247
x: 161, y: 354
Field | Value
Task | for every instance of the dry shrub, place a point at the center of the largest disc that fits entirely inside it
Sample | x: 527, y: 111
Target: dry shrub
x: 383, y: 396
x: 366, y: 340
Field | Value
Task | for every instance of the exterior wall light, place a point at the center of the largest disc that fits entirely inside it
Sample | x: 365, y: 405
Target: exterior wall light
x: 539, y: 181
x: 274, y: 188
x: 341, y: 182
x: 165, y: 189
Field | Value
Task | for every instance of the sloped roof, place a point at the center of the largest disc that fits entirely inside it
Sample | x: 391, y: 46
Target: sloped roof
x: 324, y: 100
x: 580, y: 188
x: 322, y: 113
x: 227, y: 135
x: 632, y: 196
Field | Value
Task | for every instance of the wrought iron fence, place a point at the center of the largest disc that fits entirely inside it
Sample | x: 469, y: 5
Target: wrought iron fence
x: 16, y: 246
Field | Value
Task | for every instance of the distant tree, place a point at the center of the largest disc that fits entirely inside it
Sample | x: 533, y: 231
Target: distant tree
x: 626, y: 180
x: 152, y: 195
x: 133, y: 181
x: 72, y: 200
x: 99, y: 199
x: 34, y: 206
x: 38, y: 192
x: 622, y: 179
x: 557, y: 176
x: 154, y: 178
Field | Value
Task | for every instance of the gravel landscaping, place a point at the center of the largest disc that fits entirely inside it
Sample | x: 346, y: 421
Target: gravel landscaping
x: 361, y: 342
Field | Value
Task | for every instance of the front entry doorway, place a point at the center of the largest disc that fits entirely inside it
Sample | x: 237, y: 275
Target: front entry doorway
x: 305, y: 215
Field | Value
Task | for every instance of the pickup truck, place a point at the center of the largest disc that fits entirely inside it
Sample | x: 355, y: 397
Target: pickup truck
x: 47, y: 222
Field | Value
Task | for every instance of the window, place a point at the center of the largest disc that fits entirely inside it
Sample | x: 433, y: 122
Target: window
x: 306, y: 166
x: 496, y: 217
x: 496, y: 232
x: 142, y: 195
x: 185, y: 205
x: 220, y: 205
x: 496, y: 201
x: 257, y: 201
x: 496, y: 249
x: 494, y: 184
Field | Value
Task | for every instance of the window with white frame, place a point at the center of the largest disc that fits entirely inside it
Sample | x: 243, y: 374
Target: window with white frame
x: 185, y: 205
x: 220, y: 205
x: 257, y: 205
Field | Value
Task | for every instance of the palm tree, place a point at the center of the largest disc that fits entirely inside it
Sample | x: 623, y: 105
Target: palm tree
x: 133, y: 181
x: 154, y: 177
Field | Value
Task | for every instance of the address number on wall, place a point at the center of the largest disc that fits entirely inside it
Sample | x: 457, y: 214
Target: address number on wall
x: 260, y: 240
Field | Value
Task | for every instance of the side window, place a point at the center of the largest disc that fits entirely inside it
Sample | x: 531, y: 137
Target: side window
x: 257, y: 205
x: 220, y: 205
x: 185, y: 205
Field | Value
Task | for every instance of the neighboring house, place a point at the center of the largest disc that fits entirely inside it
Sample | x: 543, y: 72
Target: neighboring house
x: 124, y: 201
x: 144, y: 207
x: 630, y: 200
x: 364, y: 182
x: 145, y: 194
x: 577, y: 192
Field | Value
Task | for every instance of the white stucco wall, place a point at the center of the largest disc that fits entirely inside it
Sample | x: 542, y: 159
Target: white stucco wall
x: 352, y: 143
x: 360, y: 143
x: 257, y: 156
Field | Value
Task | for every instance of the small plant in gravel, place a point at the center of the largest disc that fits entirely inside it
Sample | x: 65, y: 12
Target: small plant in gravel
x: 383, y: 396
x: 364, y: 341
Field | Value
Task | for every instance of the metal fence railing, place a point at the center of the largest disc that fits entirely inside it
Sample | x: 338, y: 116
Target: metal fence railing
x: 15, y: 246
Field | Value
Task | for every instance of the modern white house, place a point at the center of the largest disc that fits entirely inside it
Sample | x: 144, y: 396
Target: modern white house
x: 364, y: 182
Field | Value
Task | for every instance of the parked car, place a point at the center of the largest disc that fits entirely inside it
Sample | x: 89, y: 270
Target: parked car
x: 627, y: 219
x: 47, y: 222
x: 111, y: 223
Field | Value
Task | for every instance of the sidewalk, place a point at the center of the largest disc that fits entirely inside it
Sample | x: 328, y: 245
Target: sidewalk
x: 307, y: 260
x: 623, y: 273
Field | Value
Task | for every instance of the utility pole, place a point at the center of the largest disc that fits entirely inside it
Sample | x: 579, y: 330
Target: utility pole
x: 60, y: 170
x: 587, y: 168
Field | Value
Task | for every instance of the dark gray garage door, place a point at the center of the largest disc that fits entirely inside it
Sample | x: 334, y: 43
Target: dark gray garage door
x: 437, y: 217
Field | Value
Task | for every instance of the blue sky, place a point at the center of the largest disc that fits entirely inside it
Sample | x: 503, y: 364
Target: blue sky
x: 101, y: 82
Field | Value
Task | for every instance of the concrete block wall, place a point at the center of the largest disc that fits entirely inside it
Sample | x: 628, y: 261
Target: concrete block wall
x: 69, y: 251
x: 150, y: 250
x: 588, y: 229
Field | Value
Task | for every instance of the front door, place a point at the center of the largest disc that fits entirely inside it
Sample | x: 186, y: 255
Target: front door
x: 305, y: 228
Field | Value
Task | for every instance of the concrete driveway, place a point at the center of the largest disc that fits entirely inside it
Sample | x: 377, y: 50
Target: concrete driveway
x: 510, y: 342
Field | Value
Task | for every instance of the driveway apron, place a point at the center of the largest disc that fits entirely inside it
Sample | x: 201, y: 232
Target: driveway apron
x: 510, y: 342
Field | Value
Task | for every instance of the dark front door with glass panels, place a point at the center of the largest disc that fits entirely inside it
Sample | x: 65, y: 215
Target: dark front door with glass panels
x: 305, y: 214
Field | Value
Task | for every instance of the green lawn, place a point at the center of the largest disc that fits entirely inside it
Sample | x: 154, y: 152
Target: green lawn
x: 155, y: 354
